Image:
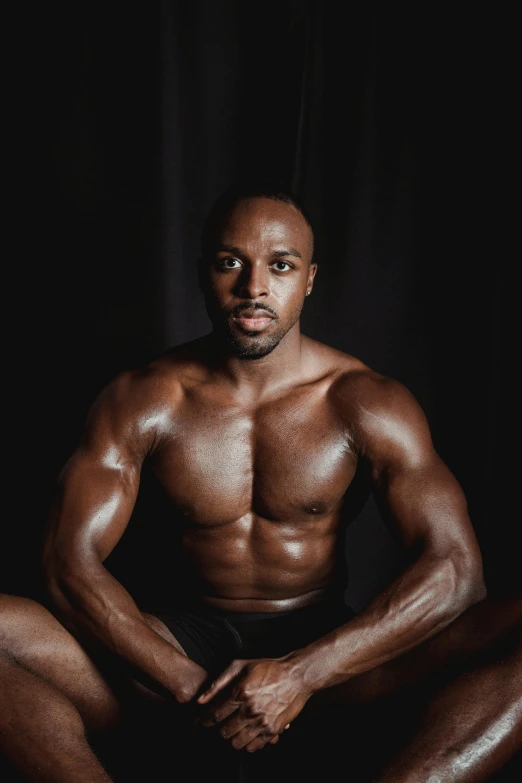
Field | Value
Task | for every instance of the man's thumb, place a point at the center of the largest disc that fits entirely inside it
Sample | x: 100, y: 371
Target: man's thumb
x: 219, y: 683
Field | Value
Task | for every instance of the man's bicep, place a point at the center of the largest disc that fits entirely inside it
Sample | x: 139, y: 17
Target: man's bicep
x: 97, y: 488
x: 416, y: 491
x: 92, y: 505
x: 426, y: 506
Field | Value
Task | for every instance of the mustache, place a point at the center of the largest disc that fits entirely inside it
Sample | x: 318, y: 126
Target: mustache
x: 253, y: 306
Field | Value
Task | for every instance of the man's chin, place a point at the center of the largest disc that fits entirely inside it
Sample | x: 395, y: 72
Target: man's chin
x: 251, y: 345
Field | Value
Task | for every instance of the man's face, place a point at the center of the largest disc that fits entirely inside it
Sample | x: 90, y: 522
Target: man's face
x: 257, y: 277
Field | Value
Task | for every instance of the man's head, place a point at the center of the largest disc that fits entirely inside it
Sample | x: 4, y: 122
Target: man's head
x: 256, y: 268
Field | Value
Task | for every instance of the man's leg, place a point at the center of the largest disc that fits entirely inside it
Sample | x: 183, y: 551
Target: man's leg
x: 52, y: 696
x: 471, y: 729
x: 462, y: 689
x: 42, y: 733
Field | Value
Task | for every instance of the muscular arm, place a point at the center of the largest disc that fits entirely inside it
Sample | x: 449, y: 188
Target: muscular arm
x: 94, y: 501
x: 424, y: 503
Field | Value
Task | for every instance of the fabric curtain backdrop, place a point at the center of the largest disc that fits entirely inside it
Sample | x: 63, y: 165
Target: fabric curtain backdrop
x: 131, y: 121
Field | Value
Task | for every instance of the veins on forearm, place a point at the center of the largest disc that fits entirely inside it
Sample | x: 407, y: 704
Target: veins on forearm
x: 423, y: 600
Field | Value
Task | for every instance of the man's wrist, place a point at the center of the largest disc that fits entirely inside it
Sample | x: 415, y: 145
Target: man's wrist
x: 189, y: 681
x: 304, y: 665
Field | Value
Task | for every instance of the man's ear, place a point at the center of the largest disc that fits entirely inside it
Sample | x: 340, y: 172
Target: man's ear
x: 311, y: 276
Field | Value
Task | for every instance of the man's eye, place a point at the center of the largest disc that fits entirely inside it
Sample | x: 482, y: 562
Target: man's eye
x: 282, y: 266
x: 229, y: 263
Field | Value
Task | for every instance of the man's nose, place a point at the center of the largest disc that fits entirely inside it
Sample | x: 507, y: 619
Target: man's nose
x: 253, y: 282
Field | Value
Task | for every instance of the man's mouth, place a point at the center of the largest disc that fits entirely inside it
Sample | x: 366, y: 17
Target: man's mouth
x: 253, y: 319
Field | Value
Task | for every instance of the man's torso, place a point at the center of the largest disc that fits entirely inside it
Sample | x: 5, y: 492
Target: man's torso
x: 259, y: 482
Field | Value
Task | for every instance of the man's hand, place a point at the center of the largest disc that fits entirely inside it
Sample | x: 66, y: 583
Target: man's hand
x: 253, y: 701
x: 189, y: 681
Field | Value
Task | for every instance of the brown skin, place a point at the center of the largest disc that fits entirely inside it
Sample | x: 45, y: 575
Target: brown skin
x: 471, y: 726
x: 258, y: 453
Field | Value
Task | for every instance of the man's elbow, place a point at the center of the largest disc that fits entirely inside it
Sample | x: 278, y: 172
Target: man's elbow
x: 62, y: 579
x: 55, y: 585
x: 467, y: 581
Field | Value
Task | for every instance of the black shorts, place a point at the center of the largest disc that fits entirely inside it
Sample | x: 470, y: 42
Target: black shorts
x: 213, y: 638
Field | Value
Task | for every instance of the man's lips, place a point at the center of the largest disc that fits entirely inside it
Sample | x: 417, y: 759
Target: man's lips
x: 253, y: 320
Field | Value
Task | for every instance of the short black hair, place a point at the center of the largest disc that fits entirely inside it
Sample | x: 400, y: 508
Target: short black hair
x: 276, y: 191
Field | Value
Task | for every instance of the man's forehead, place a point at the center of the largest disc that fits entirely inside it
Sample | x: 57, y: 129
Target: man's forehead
x: 265, y: 220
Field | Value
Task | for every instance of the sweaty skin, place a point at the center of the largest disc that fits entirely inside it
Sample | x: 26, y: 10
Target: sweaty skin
x: 258, y: 450
x: 256, y: 433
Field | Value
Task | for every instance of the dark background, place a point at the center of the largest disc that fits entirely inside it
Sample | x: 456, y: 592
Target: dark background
x: 127, y: 122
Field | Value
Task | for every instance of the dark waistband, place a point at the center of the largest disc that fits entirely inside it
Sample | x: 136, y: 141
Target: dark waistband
x: 330, y: 602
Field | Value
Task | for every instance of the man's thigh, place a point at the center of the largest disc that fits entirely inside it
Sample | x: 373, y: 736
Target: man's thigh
x: 32, y: 638
x: 383, y: 709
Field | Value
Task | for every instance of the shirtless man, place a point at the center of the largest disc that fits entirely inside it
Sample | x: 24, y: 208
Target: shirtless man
x: 256, y: 433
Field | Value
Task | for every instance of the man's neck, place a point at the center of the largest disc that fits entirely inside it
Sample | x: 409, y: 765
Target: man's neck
x: 259, y: 376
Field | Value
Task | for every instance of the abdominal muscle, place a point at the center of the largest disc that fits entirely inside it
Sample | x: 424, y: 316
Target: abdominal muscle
x: 257, y: 565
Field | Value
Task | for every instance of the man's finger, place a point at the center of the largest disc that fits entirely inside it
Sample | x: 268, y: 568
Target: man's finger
x: 239, y: 721
x: 275, y: 738
x: 219, y: 683
x: 259, y: 742
x: 217, y: 714
x: 248, y: 735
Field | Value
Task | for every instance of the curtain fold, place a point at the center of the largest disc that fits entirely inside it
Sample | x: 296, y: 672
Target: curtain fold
x: 135, y: 119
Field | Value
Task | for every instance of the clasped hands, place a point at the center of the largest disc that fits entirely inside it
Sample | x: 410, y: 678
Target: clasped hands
x: 252, y: 702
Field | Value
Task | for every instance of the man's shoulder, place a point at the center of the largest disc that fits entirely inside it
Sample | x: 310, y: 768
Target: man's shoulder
x: 357, y: 384
x: 357, y: 391
x: 140, y: 405
x: 160, y: 382
x: 349, y: 376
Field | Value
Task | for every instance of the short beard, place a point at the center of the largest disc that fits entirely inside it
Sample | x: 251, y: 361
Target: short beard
x: 253, y: 350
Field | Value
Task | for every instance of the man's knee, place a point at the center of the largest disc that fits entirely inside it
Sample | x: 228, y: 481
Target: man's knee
x: 32, y: 638
x: 20, y: 620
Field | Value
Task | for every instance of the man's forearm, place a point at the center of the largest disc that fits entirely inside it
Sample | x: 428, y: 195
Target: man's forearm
x: 424, y: 599
x: 97, y: 609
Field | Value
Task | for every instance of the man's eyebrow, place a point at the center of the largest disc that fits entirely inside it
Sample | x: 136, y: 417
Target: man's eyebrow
x: 237, y: 251
x: 290, y: 252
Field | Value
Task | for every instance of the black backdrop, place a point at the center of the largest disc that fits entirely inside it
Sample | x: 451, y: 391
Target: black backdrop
x: 127, y: 122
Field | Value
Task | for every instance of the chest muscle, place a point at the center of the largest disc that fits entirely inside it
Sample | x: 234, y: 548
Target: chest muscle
x: 280, y: 463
